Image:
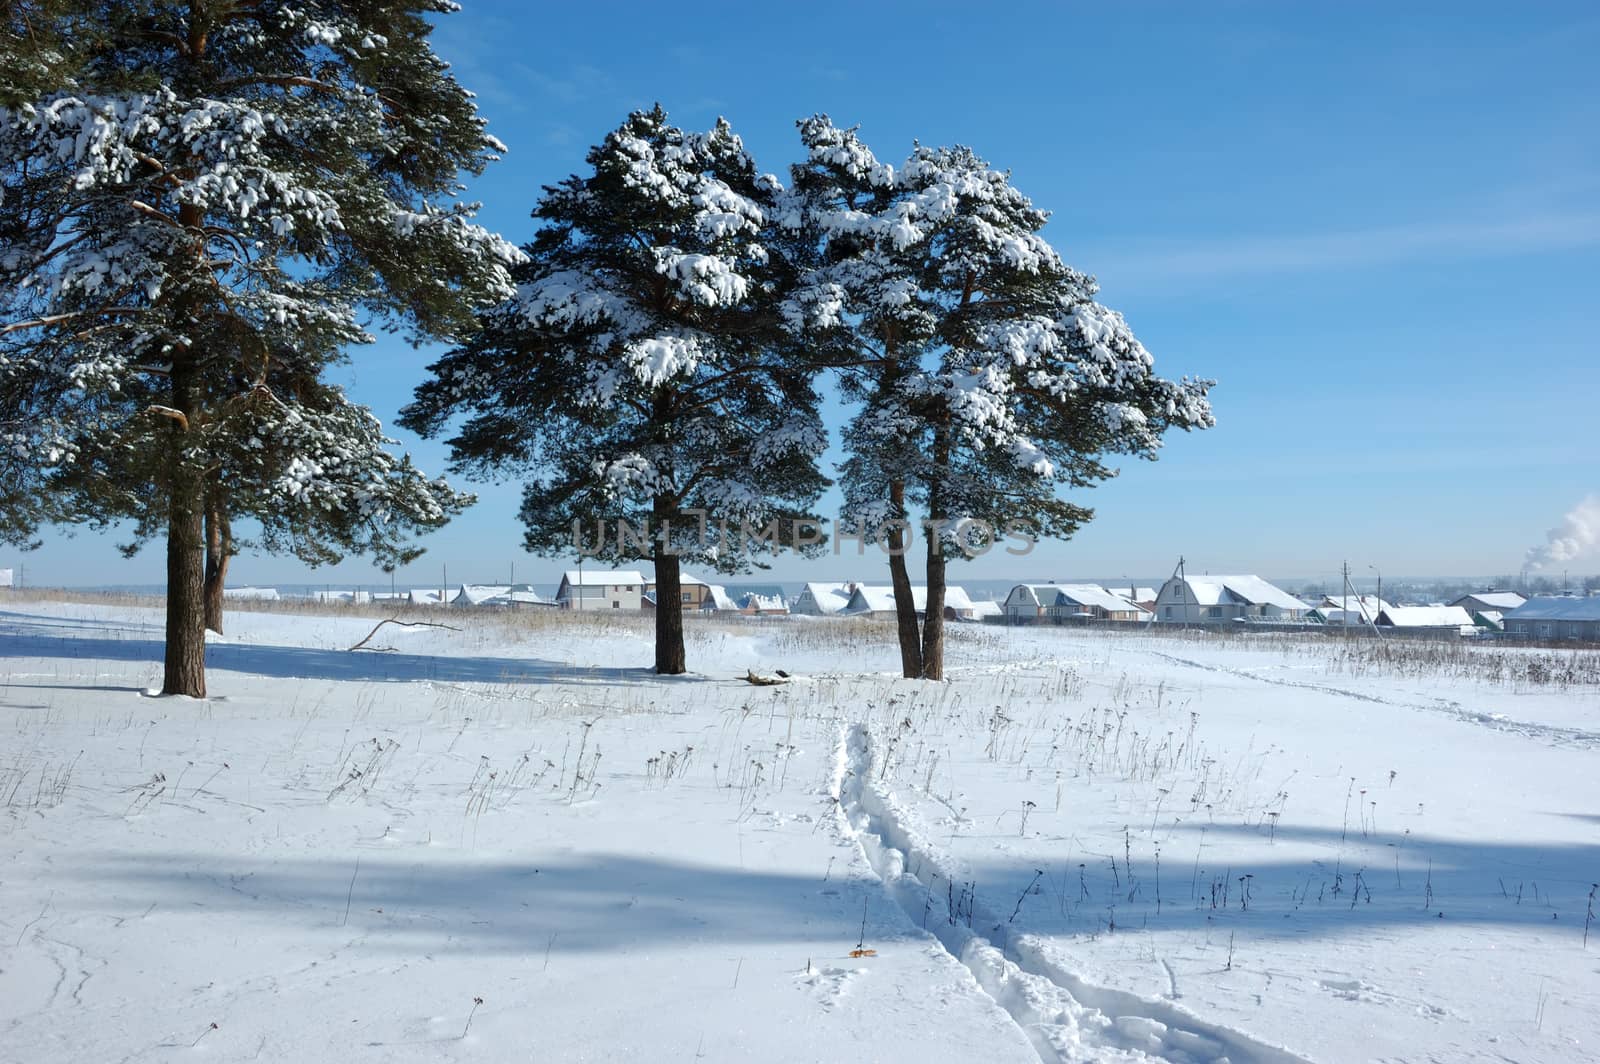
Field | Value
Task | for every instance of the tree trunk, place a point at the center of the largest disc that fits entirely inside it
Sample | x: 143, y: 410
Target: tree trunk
x: 905, y: 607
x: 670, y: 658
x: 219, y: 550
x: 933, y: 623
x: 185, y: 666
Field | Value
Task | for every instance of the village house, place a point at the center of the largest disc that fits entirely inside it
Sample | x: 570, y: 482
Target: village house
x: 1141, y: 596
x: 1442, y: 619
x: 982, y: 610
x: 693, y: 592
x: 1556, y: 617
x: 503, y: 596
x: 1061, y: 603
x: 822, y: 599
x: 601, y: 589
x: 1348, y: 609
x: 1490, y: 601
x: 718, y: 600
x: 876, y: 601
x: 766, y: 602
x: 1225, y: 599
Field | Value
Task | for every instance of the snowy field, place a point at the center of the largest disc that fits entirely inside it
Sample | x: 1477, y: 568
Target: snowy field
x: 514, y: 843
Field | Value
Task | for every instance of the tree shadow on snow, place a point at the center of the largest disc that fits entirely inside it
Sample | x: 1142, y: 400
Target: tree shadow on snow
x: 599, y: 902
x: 1302, y: 882
x: 30, y: 636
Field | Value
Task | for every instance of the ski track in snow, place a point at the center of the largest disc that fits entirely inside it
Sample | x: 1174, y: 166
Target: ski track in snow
x: 1064, y: 1017
x: 1552, y: 733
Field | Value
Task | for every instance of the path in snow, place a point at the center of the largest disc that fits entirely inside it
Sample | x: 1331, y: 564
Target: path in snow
x: 1064, y: 1017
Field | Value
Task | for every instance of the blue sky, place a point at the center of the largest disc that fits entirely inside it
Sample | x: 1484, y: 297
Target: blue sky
x: 1379, y: 231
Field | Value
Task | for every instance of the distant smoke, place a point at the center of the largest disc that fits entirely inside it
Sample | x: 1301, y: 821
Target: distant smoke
x: 1578, y: 534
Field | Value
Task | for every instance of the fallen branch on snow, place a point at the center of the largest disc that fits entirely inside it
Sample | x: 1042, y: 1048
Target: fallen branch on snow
x: 403, y: 624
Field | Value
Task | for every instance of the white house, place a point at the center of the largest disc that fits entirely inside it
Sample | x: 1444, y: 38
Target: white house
x: 1030, y: 603
x: 601, y: 589
x: 877, y: 601
x: 1351, y: 609
x: 1437, y: 618
x: 1225, y: 599
x: 6, y: 578
x: 822, y: 599
x: 1039, y: 603
x: 982, y: 610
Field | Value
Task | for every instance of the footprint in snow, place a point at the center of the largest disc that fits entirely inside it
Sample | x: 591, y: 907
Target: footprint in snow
x: 828, y: 984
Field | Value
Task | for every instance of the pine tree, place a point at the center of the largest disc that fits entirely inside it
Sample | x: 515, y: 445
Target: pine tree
x: 989, y: 378
x: 202, y: 204
x: 645, y: 378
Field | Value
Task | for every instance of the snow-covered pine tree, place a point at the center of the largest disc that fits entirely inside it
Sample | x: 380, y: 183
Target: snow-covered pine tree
x: 315, y: 478
x: 200, y: 206
x: 645, y: 376
x: 990, y: 378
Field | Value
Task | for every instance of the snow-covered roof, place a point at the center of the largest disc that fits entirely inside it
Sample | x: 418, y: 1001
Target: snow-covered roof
x: 1091, y: 595
x: 879, y: 598
x: 1251, y: 590
x: 986, y: 608
x: 717, y: 598
x: 1557, y: 608
x: 684, y: 580
x: 1426, y: 617
x: 522, y: 595
x: 760, y: 603
x: 1132, y: 593
x: 477, y: 594
x: 1493, y: 600
x: 604, y: 577
x: 424, y: 597
x: 829, y: 598
x: 1362, y: 608
x: 259, y: 593
x: 1042, y: 594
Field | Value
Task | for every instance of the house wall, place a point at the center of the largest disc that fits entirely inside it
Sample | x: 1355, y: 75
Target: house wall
x: 1176, y: 605
x: 694, y: 596
x: 1554, y: 629
x: 602, y: 596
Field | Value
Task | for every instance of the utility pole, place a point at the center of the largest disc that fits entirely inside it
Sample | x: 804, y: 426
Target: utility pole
x: 1344, y: 571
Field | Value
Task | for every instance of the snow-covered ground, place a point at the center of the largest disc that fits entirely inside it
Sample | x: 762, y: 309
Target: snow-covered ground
x: 1084, y: 846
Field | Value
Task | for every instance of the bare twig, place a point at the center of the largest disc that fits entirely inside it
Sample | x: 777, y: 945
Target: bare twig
x: 403, y: 624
